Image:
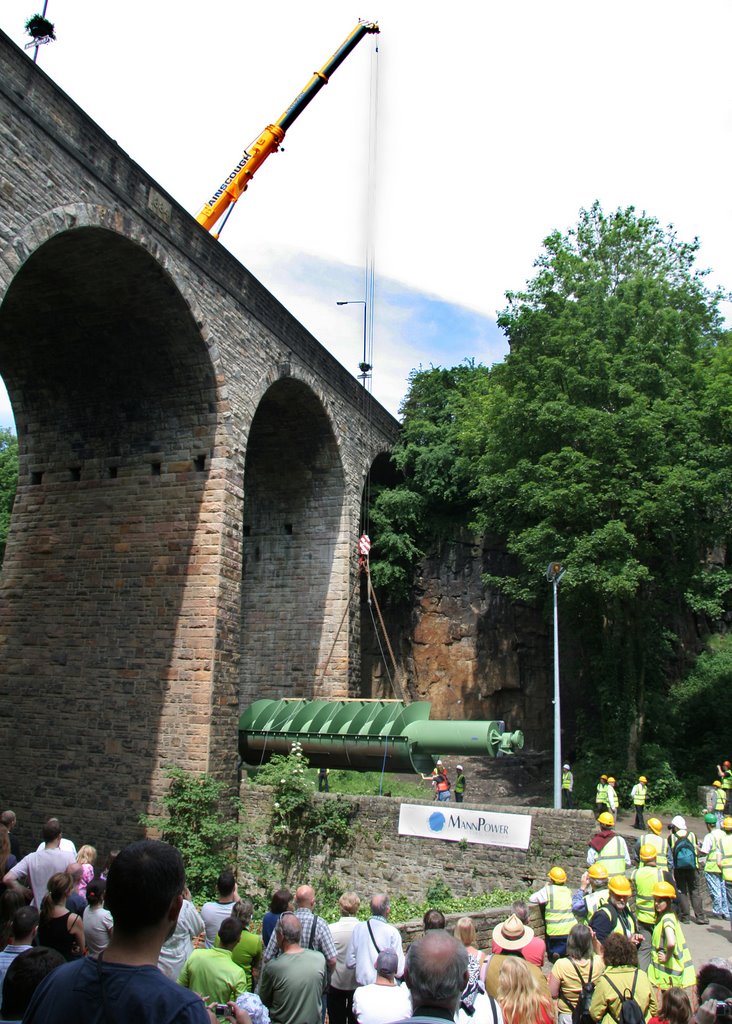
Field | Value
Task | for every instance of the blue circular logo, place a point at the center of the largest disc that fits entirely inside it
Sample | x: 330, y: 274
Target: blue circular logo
x: 437, y: 822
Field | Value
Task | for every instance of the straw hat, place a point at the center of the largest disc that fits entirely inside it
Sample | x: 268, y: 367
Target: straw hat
x: 512, y: 934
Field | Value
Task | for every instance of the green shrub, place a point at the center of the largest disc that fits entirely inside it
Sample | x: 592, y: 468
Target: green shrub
x: 195, y: 823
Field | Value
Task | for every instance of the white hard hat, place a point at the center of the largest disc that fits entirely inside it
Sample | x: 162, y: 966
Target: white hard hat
x: 459, y: 767
x: 566, y: 767
x: 679, y: 822
x: 439, y: 761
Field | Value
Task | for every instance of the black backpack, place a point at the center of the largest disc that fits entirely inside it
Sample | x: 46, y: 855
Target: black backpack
x: 581, y: 1009
x: 630, y: 1011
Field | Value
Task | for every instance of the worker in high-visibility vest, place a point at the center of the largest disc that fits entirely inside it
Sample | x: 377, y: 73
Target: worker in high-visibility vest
x: 643, y: 879
x: 638, y: 794
x: 611, y: 798
x: 615, y: 915
x: 567, y: 787
x: 556, y: 899
x: 601, y: 796
x: 654, y: 838
x: 671, y: 963
x: 592, y: 893
x: 724, y: 859
x: 608, y: 848
x: 725, y: 775
x: 719, y: 801
x: 712, y: 871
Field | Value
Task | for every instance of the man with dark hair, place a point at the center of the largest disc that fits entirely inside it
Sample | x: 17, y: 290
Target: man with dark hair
x: 433, y: 919
x: 211, y: 972
x: 25, y: 974
x: 293, y: 983
x: 436, y: 973
x: 370, y: 938
x: 144, y: 896
x: 36, y: 868
x: 215, y: 911
x: 52, y: 827
x: 22, y: 932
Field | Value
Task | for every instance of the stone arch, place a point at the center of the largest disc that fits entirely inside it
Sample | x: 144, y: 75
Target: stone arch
x: 296, y: 528
x: 115, y: 399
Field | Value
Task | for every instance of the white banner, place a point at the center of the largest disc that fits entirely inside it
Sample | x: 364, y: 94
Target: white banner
x: 453, y: 823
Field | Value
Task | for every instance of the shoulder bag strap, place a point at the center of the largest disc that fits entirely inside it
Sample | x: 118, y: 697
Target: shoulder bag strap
x: 619, y: 994
x: 311, y: 943
x: 368, y: 925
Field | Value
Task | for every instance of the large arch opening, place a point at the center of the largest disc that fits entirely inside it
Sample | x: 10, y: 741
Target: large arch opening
x: 115, y: 404
x: 294, y: 632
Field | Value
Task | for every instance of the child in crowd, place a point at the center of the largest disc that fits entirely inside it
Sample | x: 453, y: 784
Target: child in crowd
x: 86, y: 856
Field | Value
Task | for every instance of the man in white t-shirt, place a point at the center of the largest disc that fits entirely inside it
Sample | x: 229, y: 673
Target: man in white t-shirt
x: 372, y: 937
x: 66, y: 844
x: 384, y: 1000
x: 37, y: 868
x: 214, y: 912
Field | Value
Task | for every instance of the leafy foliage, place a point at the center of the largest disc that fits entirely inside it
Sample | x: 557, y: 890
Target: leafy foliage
x: 433, y: 456
x: 196, y: 823
x: 602, y: 449
x: 8, y: 483
x: 299, y: 823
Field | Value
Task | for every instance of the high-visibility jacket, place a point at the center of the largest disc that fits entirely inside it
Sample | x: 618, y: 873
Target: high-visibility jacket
x: 558, y: 916
x: 644, y: 878
x: 720, y: 801
x: 678, y: 971
x: 611, y: 798
x: 661, y: 844
x: 612, y: 856
x: 601, y: 793
x: 623, y: 921
x: 727, y: 779
x: 567, y: 781
x: 710, y: 866
x: 638, y: 792
x: 725, y: 856
x: 594, y: 900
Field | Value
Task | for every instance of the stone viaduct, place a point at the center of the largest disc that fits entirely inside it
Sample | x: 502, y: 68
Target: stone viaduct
x: 192, y: 464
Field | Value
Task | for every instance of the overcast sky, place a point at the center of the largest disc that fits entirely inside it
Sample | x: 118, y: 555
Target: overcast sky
x: 496, y: 123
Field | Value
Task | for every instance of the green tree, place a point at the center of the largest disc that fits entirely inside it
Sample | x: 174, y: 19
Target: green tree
x: 600, y: 444
x: 433, y: 455
x: 8, y: 482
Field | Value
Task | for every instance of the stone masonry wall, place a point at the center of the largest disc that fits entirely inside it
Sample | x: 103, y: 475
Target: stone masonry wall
x: 379, y: 858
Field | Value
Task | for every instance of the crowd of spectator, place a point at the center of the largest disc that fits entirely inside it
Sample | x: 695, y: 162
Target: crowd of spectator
x: 128, y: 944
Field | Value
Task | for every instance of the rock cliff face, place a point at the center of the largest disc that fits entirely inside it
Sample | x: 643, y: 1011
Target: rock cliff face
x: 467, y: 648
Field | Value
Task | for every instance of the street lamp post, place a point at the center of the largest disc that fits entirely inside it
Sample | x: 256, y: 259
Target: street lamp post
x: 363, y: 366
x: 554, y: 574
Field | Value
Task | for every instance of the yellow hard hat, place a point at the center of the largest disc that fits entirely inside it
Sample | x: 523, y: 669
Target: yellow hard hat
x: 603, y: 778
x: 727, y: 824
x: 716, y: 783
x: 611, y: 780
x: 598, y: 872
x: 558, y: 875
x: 606, y: 818
x: 663, y: 891
x: 648, y: 852
x: 643, y: 779
x: 655, y: 825
x: 620, y: 885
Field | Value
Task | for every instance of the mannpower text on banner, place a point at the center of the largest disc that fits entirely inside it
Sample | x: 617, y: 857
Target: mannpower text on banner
x: 485, y: 827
